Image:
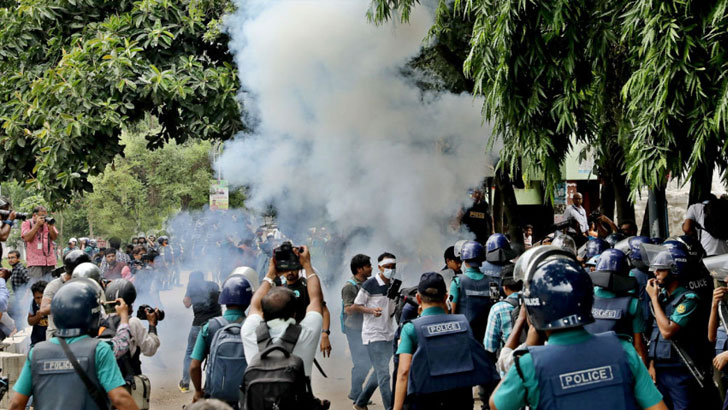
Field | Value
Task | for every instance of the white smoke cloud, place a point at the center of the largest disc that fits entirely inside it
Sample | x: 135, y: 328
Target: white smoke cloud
x: 342, y: 136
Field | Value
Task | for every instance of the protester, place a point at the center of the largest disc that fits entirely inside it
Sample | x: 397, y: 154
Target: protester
x: 202, y: 296
x: 453, y: 265
x: 35, y: 317
x: 114, y: 247
x: 40, y: 251
x: 115, y: 269
x: 351, y: 326
x: 502, y: 314
x: 378, y: 327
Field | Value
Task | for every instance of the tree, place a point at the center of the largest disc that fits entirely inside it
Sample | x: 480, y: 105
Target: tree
x: 75, y: 73
x: 140, y: 190
x: 640, y: 81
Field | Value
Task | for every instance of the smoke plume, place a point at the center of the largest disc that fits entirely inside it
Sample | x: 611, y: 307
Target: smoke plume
x: 342, y: 137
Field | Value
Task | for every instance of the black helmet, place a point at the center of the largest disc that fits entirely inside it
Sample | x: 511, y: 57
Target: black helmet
x: 76, y: 308
x: 73, y: 259
x: 88, y: 270
x: 162, y: 239
x: 121, y: 288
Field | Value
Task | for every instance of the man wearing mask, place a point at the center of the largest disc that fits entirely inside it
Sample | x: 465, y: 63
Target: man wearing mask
x: 378, y: 327
x: 40, y: 252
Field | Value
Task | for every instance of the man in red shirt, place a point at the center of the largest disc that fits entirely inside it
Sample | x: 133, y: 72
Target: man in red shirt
x: 40, y: 252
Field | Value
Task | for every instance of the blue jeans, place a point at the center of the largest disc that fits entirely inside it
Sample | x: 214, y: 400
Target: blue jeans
x: 191, y: 340
x: 380, y: 353
x: 362, y: 365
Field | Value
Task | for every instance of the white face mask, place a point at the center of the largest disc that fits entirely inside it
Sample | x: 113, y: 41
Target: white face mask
x: 389, y: 273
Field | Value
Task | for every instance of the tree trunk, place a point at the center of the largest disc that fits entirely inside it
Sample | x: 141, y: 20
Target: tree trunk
x: 657, y: 204
x: 510, y: 209
x: 701, y: 183
x: 607, y: 197
x: 625, y: 207
x: 497, y: 209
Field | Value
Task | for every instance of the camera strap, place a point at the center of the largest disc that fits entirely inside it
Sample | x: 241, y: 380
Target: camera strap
x: 93, y: 389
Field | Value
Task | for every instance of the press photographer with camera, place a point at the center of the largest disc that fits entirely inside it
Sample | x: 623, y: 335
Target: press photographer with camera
x: 39, y: 232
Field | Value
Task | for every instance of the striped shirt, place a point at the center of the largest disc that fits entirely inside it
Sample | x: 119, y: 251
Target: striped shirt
x: 499, y: 324
x: 373, y: 294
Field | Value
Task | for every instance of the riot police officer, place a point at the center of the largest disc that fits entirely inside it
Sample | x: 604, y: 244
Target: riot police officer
x: 575, y: 369
x: 641, y: 272
x: 440, y: 360
x: 70, y: 262
x: 679, y: 350
x: 54, y: 368
x: 594, y: 248
x: 615, y: 307
x: 498, y: 253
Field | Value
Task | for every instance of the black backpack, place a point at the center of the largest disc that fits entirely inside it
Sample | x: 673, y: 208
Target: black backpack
x: 516, y: 303
x: 715, y: 219
x: 275, y: 378
x: 406, y: 295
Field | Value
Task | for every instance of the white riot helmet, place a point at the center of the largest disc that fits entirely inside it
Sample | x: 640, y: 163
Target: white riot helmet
x: 249, y: 273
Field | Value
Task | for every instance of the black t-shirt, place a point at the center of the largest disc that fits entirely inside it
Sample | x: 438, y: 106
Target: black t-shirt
x: 302, y: 300
x: 477, y: 219
x: 204, y: 296
x: 39, y: 329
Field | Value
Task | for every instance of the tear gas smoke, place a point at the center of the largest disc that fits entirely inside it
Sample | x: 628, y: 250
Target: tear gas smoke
x: 342, y: 137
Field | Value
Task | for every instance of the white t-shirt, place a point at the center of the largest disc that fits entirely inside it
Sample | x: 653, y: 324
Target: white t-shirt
x: 373, y: 294
x: 712, y: 246
x: 308, y: 340
x: 580, y: 215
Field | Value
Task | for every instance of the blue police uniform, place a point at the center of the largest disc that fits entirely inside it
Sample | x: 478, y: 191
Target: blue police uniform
x: 474, y: 299
x: 642, y: 276
x: 611, y: 315
x: 447, y: 361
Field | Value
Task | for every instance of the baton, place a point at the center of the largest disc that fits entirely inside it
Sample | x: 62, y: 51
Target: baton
x: 320, y: 369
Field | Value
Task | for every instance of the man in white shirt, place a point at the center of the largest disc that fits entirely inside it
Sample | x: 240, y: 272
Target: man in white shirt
x: 276, y: 306
x: 693, y: 225
x: 378, y: 328
x: 578, y: 213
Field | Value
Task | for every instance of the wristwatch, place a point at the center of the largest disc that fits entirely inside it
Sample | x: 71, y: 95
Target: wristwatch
x: 327, y: 331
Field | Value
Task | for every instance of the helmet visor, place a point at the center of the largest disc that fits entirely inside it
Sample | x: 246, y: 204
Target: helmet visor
x: 650, y: 251
x: 527, y: 263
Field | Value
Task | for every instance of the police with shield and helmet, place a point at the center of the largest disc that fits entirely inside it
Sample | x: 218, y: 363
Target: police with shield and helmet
x: 641, y: 272
x: 498, y: 253
x: 566, y: 373
x: 616, y: 308
x: 70, y: 262
x: 73, y: 362
x: 679, y: 350
x: 440, y: 360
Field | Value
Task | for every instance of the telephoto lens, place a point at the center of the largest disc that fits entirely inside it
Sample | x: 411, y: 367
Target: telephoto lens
x: 18, y: 215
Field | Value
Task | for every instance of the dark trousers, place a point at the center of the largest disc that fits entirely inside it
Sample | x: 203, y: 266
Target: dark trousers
x: 681, y: 391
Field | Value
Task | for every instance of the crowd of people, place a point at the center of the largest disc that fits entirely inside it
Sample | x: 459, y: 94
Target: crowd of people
x: 592, y: 314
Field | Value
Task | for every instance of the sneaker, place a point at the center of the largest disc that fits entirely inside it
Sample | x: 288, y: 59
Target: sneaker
x: 184, y: 388
x: 360, y: 407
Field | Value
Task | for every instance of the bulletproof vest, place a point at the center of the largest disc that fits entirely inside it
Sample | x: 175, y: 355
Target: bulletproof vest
x: 54, y: 377
x: 130, y: 365
x: 571, y: 375
x: 492, y: 270
x: 642, y: 277
x: 475, y: 302
x: 448, y: 357
x: 693, y: 339
x: 611, y: 314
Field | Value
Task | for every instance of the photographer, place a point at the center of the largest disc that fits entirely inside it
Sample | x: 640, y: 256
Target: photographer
x: 7, y: 220
x: 39, y: 233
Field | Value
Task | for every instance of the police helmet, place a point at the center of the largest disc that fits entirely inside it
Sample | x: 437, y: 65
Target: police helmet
x: 635, y: 251
x: 73, y: 240
x: 83, y: 239
x: 472, y: 251
x: 592, y: 261
x: 613, y: 238
x: 613, y: 261
x: 121, y: 288
x: 248, y: 273
x: 595, y: 247
x: 566, y: 243
x: 236, y: 290
x: 88, y: 270
x: 162, y: 239
x: 675, y: 260
x: 558, y: 294
x: 457, y: 248
x: 623, y: 245
x: 527, y: 262
x: 498, y: 249
x: 656, y: 240
x: 76, y: 308
x: 73, y: 259
x: 92, y: 243
x: 694, y: 248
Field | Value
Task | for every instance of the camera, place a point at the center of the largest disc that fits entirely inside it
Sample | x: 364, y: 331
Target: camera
x: 144, y: 309
x: 18, y: 215
x: 285, y: 259
x: 50, y: 220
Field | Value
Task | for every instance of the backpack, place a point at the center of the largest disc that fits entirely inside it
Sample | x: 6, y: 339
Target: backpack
x: 343, y: 326
x: 226, y: 362
x: 715, y: 218
x: 275, y: 378
x: 406, y: 295
x: 516, y: 303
